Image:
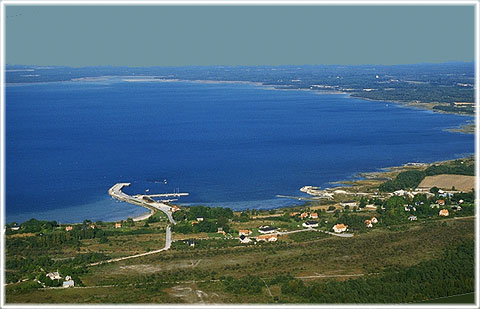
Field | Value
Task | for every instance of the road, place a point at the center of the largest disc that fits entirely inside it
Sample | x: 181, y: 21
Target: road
x: 168, y: 243
x: 317, y: 230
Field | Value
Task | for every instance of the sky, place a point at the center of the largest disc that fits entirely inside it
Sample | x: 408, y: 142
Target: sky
x: 237, y: 35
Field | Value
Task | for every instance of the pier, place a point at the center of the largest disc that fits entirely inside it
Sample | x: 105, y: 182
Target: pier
x: 144, y: 200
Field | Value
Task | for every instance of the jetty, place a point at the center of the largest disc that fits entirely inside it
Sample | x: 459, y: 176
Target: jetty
x: 144, y: 200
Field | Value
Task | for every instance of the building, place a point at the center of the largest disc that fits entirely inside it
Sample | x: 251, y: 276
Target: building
x: 270, y: 237
x: 368, y: 223
x: 175, y: 208
x: 244, y: 239
x: 374, y: 220
x: 456, y: 208
x: 14, y: 228
x: 441, y: 202
x: 92, y: 226
x: 443, y: 213
x: 69, y: 283
x: 304, y: 215
x: 339, y: 228
x: 244, y: 232
x: 118, y: 225
x: 200, y: 219
x: 412, y: 218
x: 68, y: 228
x: 54, y: 276
x: 191, y: 242
x: 314, y: 215
x: 310, y: 224
x: 293, y: 214
x: 68, y: 278
x: 267, y: 229
x: 348, y: 203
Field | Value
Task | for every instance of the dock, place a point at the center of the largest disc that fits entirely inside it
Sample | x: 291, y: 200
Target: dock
x: 144, y: 200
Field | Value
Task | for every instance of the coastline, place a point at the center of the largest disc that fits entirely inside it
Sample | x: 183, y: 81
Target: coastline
x: 270, y: 87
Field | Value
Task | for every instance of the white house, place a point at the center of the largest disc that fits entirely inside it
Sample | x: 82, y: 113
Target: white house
x: 267, y: 229
x: 310, y: 224
x: 374, y: 220
x: 54, y: 276
x: 69, y: 283
x: 412, y: 218
x: 199, y: 219
x: 348, y: 203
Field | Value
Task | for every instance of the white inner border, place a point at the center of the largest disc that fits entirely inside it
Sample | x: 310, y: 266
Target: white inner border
x: 3, y: 3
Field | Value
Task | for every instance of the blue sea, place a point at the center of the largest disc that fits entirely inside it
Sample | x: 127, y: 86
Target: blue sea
x: 229, y: 145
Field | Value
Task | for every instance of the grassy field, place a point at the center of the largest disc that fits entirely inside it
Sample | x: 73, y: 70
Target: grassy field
x: 196, y: 274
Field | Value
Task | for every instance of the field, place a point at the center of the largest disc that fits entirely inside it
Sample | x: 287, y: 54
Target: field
x: 459, y: 182
x: 197, y: 274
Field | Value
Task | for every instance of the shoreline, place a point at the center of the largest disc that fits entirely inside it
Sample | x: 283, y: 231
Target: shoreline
x: 354, y: 180
x: 463, y: 128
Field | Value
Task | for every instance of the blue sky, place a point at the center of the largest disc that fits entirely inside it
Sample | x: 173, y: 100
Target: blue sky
x: 237, y: 35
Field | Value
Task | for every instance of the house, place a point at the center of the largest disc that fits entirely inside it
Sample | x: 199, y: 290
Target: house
x: 244, y: 239
x: 244, y: 232
x: 456, y: 208
x: 304, y: 215
x: 434, y: 206
x: 191, y: 242
x: 412, y: 218
x: 441, y: 202
x: 199, y: 219
x: 270, y: 237
x: 410, y: 207
x: 460, y: 201
x: 14, y: 228
x: 68, y: 228
x: 221, y: 231
x: 314, y: 215
x: 348, y: 203
x: 374, y: 220
x: 68, y: 278
x: 293, y: 214
x: 443, y: 213
x: 368, y: 223
x: 92, y: 226
x: 69, y: 283
x: 310, y: 224
x: 118, y: 225
x: 175, y: 208
x: 194, y: 222
x: 339, y: 228
x: 267, y: 229
x: 54, y: 276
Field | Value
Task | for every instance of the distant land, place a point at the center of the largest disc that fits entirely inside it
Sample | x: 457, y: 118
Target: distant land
x: 445, y: 87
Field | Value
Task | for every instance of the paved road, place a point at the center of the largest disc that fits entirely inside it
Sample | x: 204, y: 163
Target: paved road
x: 168, y: 243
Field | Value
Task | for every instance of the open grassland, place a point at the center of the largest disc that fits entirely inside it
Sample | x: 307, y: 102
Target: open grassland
x: 459, y: 182
x: 197, y: 274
